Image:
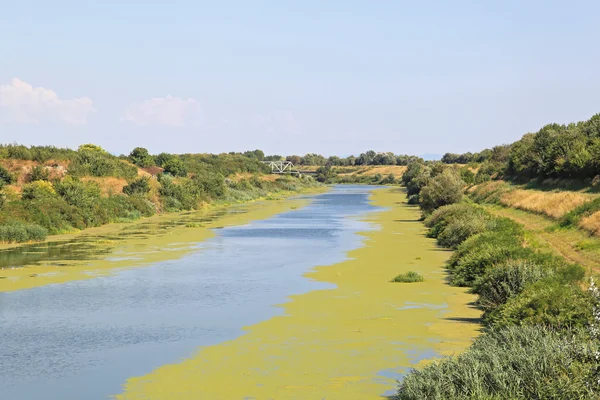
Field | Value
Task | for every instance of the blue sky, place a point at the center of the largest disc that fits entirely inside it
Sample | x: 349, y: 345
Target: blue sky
x: 332, y: 77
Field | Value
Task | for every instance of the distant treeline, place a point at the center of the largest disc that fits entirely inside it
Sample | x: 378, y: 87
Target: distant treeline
x: 555, y: 151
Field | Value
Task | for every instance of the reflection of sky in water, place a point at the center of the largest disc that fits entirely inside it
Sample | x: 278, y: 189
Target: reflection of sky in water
x: 83, y: 339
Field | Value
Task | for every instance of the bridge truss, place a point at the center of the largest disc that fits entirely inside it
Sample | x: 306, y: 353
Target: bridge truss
x: 282, y: 167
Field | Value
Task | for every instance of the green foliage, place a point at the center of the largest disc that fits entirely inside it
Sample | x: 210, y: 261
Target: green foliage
x: 6, y: 177
x: 97, y: 162
x: 325, y: 174
x: 91, y: 147
x: 39, y: 173
x: 175, y: 167
x: 139, y: 187
x: 507, y: 279
x: 446, y: 188
x: 38, y: 190
x: 140, y: 157
x: 408, y: 277
x: 572, y: 218
x: 557, y: 151
x: 313, y: 159
x: 416, y: 177
x: 18, y: 232
x: 163, y: 158
x: 529, y: 362
x: 255, y: 154
x: 550, y: 302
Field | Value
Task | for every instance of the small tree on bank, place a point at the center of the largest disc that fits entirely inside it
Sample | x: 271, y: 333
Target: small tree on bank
x: 446, y: 188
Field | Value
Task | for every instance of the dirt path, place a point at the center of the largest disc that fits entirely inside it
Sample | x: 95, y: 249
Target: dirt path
x: 572, y: 244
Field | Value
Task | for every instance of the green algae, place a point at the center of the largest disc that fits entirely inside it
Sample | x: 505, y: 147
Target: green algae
x: 350, y: 342
x: 100, y: 251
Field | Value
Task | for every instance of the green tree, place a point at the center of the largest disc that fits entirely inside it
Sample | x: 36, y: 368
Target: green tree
x: 175, y: 167
x: 140, y: 157
x: 446, y: 188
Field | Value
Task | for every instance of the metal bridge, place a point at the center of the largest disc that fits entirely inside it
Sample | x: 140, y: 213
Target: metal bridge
x: 286, y: 167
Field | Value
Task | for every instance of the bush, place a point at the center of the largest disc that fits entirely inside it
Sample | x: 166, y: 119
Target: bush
x: 506, y: 280
x: 453, y: 224
x: 38, y: 173
x: 444, y: 189
x: 140, y: 187
x: 408, y: 277
x: 6, y: 177
x: 512, y: 363
x: 549, y: 302
x: 175, y: 167
x: 38, y: 190
x: 140, y: 157
x: 18, y: 232
x: 97, y: 162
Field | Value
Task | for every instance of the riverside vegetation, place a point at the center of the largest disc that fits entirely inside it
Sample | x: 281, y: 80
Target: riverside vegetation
x: 47, y: 190
x: 541, y: 315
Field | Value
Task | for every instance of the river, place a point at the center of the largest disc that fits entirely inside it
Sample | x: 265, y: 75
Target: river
x: 85, y: 339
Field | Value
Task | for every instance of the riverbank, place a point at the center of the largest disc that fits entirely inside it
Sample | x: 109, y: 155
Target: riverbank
x: 351, y: 342
x: 97, y: 251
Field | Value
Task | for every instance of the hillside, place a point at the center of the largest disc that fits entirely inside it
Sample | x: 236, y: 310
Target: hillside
x: 47, y: 190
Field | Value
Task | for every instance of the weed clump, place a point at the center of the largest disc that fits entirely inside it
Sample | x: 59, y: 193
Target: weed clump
x: 408, y: 277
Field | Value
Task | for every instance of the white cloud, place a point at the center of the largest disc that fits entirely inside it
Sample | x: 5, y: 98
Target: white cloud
x: 169, y: 111
x: 22, y: 103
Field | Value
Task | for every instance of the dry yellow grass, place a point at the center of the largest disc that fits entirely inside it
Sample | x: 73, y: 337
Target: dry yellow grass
x: 22, y: 169
x: 552, y: 204
x: 397, y: 170
x: 108, y: 185
x: 591, y: 223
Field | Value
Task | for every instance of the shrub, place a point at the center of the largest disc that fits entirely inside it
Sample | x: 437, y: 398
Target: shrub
x: 548, y: 302
x: 38, y: 190
x: 408, y: 277
x: 6, y: 177
x: 140, y: 187
x: 413, y: 199
x: 18, y: 232
x: 453, y: 224
x: 444, y: 189
x: 140, y: 157
x: 38, y: 173
x: 507, y: 279
x: 175, y: 167
x: 97, y: 162
x: 512, y: 363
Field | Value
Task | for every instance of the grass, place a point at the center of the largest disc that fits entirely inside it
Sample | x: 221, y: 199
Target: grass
x: 537, y: 343
x: 554, y: 204
x: 511, y: 363
x: 409, y: 277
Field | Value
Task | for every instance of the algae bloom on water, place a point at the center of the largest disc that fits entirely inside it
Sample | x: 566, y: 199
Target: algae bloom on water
x: 408, y: 277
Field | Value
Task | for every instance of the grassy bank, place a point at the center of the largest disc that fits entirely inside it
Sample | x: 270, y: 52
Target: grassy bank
x: 48, y: 191
x: 539, y: 308
x: 332, y: 343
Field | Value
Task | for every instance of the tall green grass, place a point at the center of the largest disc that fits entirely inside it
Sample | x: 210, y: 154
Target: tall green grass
x: 529, y: 362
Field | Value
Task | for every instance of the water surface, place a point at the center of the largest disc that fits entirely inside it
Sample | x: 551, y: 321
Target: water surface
x: 83, y: 339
